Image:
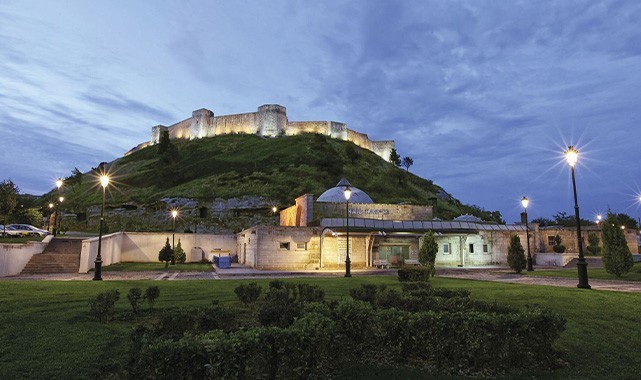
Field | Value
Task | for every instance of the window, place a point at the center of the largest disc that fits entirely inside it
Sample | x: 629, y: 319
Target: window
x: 301, y: 246
x: 551, y: 241
x: 446, y: 248
x: 284, y: 246
x: 471, y: 248
x: 485, y: 249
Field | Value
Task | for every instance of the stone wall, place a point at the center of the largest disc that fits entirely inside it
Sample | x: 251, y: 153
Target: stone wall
x: 265, y: 247
x: 569, y: 238
x: 14, y: 257
x: 270, y: 120
x: 378, y: 211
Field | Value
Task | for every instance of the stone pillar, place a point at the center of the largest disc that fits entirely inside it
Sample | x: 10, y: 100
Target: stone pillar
x: 201, y: 123
x: 155, y: 133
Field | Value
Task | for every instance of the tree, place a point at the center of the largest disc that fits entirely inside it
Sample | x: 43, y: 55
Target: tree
x: 394, y: 158
x: 427, y: 252
x: 617, y: 258
x: 8, y: 199
x: 152, y: 293
x: 163, y: 142
x: 166, y: 254
x: 179, y: 253
x: 623, y: 220
x: 516, y: 254
x: 407, y: 162
x: 593, y: 240
x: 558, y: 247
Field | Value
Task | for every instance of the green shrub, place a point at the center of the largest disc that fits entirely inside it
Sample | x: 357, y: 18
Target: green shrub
x: 248, y: 293
x: 165, y: 254
x: 179, y: 253
x: 617, y: 259
x: 558, y: 247
x: 413, y: 273
x: 427, y: 252
x: 151, y: 295
x: 310, y: 293
x: 135, y: 298
x: 103, y: 307
x: 593, y: 247
x: 516, y: 254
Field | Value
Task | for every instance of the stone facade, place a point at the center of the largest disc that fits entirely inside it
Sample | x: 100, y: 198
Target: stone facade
x: 270, y: 120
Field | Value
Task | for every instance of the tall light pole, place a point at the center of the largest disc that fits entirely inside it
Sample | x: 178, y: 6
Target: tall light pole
x: 55, y: 219
x: 525, y: 202
x: 60, y: 200
x: 571, y: 156
x: 174, y: 214
x: 104, y: 182
x: 49, y: 217
x: 348, y: 193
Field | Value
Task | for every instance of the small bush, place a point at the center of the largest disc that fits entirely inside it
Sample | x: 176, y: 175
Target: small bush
x: 558, y: 247
x: 165, y: 254
x: 310, y: 293
x: 414, y: 273
x: 135, y: 298
x: 516, y: 254
x: 179, y: 253
x: 248, y: 293
x: 151, y: 295
x: 103, y: 307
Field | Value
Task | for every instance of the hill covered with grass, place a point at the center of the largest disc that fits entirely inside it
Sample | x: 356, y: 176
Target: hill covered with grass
x: 279, y: 169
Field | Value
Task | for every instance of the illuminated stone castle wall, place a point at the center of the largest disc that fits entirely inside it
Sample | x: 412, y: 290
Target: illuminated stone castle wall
x: 270, y: 120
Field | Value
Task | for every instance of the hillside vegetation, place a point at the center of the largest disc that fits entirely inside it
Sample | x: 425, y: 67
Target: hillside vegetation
x: 279, y: 169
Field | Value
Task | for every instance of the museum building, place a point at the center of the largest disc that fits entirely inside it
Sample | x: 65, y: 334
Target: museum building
x: 313, y: 235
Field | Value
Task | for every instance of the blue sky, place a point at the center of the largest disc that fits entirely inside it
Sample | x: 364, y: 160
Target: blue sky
x: 483, y: 95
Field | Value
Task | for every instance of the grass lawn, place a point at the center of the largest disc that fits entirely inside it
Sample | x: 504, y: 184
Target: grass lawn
x: 633, y: 275
x: 45, y: 331
x: 159, y: 267
x: 19, y: 240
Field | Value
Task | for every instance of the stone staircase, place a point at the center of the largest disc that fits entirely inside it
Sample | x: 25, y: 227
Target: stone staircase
x: 62, y: 255
x: 593, y: 262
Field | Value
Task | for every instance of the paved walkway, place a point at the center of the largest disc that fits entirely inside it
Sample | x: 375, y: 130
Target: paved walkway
x: 496, y: 274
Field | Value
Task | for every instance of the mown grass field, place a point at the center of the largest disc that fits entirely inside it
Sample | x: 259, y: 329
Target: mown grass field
x: 46, y: 332
x: 598, y: 273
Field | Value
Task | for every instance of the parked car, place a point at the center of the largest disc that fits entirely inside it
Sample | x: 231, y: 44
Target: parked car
x: 30, y: 230
x: 9, y: 231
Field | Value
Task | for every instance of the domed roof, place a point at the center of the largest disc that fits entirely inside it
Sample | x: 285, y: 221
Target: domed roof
x: 467, y: 218
x: 336, y: 194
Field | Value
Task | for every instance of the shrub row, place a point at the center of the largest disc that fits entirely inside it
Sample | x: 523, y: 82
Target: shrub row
x: 329, y: 336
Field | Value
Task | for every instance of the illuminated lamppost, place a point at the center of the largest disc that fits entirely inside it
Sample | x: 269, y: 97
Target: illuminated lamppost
x: 174, y: 214
x: 104, y: 182
x: 60, y: 200
x: 55, y: 219
x: 598, y: 218
x: 49, y: 217
x: 525, y: 202
x: 571, y: 156
x: 348, y: 193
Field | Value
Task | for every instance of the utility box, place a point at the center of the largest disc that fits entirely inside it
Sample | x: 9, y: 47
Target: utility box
x: 224, y: 262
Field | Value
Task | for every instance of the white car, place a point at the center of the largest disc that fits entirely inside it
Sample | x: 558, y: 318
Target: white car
x: 9, y: 231
x: 29, y: 230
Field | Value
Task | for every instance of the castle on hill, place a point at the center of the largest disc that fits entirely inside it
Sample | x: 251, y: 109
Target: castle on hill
x: 270, y: 120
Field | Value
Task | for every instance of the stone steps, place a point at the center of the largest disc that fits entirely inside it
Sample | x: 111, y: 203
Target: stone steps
x: 593, y: 262
x: 60, y: 256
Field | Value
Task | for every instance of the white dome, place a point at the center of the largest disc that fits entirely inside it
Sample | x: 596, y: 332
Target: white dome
x: 337, y: 195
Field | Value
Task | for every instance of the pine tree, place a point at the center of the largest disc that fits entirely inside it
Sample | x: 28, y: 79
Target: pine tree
x: 516, y: 254
x: 394, y: 158
x: 617, y: 259
x: 427, y: 252
x: 407, y: 162
x: 165, y: 254
x: 181, y: 257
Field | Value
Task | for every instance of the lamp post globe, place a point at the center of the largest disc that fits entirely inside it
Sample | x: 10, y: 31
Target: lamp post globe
x: 572, y: 157
x: 347, y: 193
x: 104, y: 182
x: 598, y: 218
x: 51, y: 205
x: 525, y: 202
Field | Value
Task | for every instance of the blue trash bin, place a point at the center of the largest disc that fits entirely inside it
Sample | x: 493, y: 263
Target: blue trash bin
x: 224, y: 262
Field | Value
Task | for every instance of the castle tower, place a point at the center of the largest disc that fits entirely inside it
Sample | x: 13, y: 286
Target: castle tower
x: 201, y: 123
x: 271, y: 120
x: 155, y: 133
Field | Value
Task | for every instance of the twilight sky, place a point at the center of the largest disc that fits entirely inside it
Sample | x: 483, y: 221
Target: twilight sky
x: 483, y: 95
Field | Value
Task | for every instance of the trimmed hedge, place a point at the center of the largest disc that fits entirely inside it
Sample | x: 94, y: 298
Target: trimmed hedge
x: 413, y: 273
x: 443, y: 331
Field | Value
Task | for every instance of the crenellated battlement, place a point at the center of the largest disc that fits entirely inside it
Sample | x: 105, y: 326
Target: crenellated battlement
x: 270, y: 120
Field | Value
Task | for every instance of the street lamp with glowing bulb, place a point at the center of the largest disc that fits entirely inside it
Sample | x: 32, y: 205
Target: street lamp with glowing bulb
x: 525, y: 202
x: 572, y: 156
x: 347, y: 193
x: 598, y: 218
x: 174, y: 214
x: 59, y: 184
x: 104, y: 182
x: 51, y: 205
